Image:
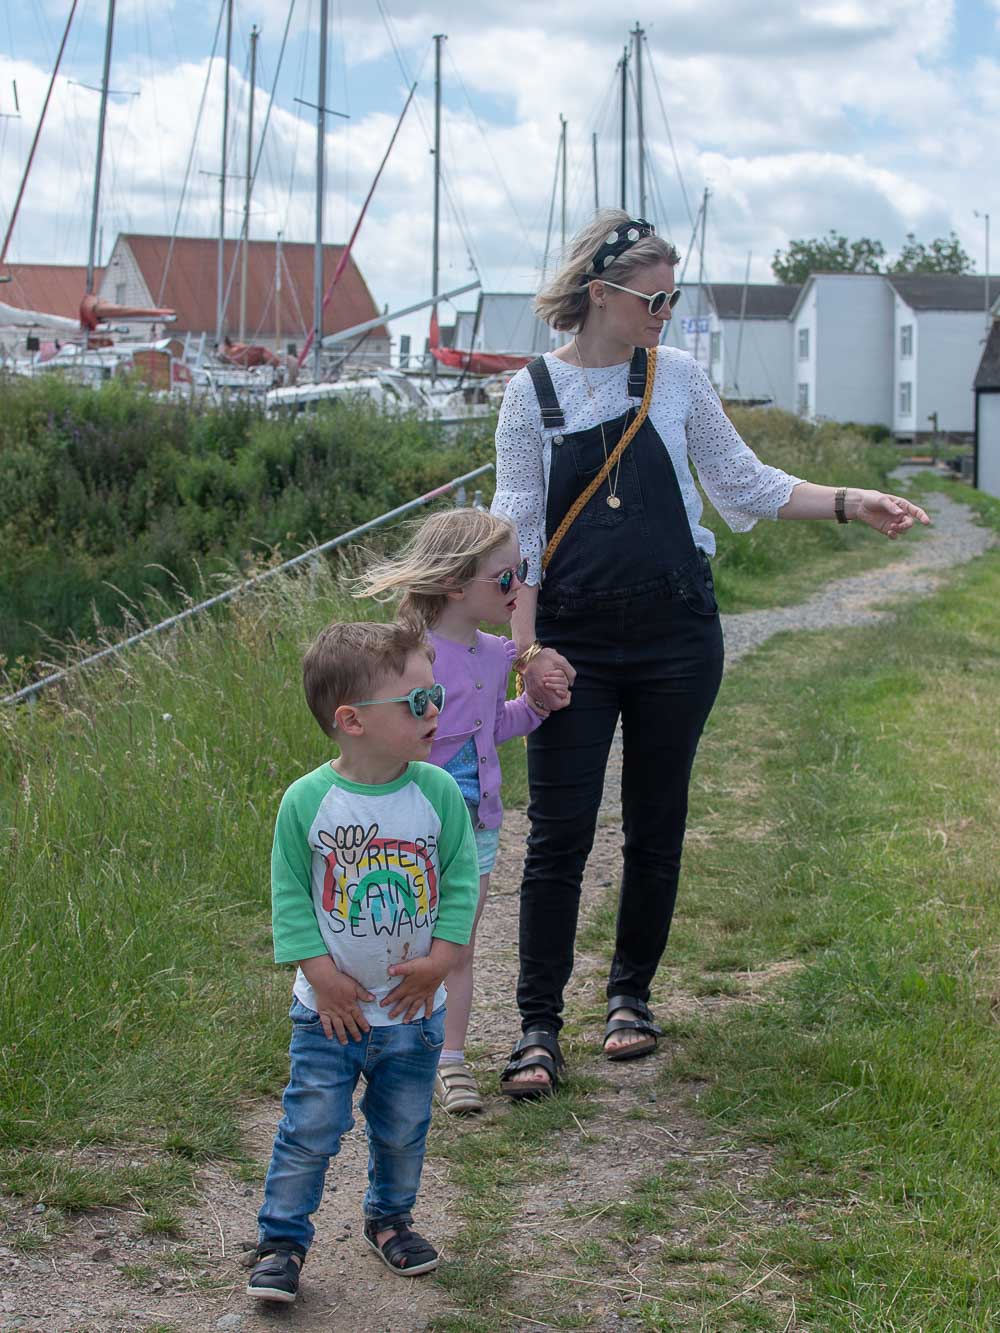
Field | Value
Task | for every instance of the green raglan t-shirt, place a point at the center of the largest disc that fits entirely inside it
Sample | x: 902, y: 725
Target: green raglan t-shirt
x: 371, y: 875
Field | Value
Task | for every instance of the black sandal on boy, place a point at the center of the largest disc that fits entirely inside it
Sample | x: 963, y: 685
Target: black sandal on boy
x: 643, y: 1024
x: 405, y: 1251
x: 275, y: 1275
x: 552, y: 1062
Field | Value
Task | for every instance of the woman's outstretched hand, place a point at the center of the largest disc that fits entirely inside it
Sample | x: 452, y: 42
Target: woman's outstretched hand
x: 889, y: 514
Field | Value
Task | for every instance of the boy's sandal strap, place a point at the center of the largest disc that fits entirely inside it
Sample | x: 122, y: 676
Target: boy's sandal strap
x: 405, y: 1250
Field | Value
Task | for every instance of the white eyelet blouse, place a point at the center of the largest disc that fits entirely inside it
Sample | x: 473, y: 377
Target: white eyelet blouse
x: 689, y: 419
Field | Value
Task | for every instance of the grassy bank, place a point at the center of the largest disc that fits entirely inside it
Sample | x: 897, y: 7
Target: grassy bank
x: 111, y: 498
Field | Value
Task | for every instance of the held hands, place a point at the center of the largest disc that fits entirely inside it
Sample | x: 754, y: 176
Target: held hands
x: 889, y: 514
x: 548, y: 682
x: 421, y: 979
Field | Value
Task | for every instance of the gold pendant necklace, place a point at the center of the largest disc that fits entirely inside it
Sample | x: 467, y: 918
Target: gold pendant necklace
x: 611, y: 500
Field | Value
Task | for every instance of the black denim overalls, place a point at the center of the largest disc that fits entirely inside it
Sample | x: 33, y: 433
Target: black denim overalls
x: 628, y: 600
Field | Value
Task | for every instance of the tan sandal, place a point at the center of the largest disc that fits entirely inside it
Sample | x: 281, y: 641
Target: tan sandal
x: 456, y: 1089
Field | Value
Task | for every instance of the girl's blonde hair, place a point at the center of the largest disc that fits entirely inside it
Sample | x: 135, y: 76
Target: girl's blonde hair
x: 565, y: 302
x: 443, y: 554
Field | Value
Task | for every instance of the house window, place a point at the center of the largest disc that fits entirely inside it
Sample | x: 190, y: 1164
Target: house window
x: 906, y: 340
x: 120, y: 293
x: 803, y: 400
x: 716, y: 348
x: 905, y: 398
x: 803, y: 346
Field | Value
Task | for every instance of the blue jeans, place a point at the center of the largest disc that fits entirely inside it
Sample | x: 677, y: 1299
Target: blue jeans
x: 398, y: 1062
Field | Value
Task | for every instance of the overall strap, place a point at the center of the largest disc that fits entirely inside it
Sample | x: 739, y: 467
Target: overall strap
x: 637, y: 373
x: 552, y: 413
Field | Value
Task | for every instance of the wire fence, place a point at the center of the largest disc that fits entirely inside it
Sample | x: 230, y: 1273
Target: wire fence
x: 30, y: 692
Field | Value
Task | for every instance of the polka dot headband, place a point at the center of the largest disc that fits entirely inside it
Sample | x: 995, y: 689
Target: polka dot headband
x: 616, y: 243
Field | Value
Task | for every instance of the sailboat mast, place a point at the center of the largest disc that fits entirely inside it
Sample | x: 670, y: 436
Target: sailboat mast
x: 638, y: 34
x: 277, y: 296
x: 249, y: 185
x: 597, y: 191
x: 701, y: 275
x: 623, y: 66
x: 562, y: 150
x: 220, y: 264
x: 435, y: 249
x: 320, y: 188
x: 101, y: 121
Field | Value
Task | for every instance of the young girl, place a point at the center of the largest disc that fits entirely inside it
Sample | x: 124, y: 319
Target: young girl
x: 462, y: 567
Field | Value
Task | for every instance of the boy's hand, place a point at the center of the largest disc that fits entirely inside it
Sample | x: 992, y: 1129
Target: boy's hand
x: 337, y: 997
x: 421, y: 979
x: 337, y: 1006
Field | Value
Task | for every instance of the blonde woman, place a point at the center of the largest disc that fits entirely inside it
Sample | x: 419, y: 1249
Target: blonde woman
x: 463, y: 568
x: 626, y: 597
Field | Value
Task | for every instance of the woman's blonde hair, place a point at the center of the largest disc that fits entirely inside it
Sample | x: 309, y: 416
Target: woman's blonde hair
x: 443, y: 554
x: 565, y: 301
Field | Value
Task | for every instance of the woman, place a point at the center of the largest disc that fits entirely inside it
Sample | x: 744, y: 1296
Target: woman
x: 626, y: 607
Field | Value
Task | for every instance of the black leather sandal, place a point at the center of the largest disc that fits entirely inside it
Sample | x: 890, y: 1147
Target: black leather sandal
x: 552, y: 1063
x: 405, y: 1252
x: 643, y: 1024
x: 275, y: 1275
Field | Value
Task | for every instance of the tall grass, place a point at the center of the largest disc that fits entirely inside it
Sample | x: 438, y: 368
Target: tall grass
x: 107, y: 495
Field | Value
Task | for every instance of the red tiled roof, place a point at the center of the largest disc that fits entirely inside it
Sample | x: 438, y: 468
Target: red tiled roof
x: 55, y: 289
x: 190, y: 288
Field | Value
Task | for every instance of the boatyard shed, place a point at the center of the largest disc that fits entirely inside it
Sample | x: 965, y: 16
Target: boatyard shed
x: 986, y: 474
x: 841, y: 351
x: 751, y: 341
x: 181, y: 274
x: 939, y: 328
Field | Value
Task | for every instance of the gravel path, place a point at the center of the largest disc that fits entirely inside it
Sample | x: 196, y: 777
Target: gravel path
x: 865, y: 598
x: 103, y: 1275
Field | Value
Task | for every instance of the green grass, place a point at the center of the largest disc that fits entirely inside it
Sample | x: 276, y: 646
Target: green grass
x: 871, y: 1072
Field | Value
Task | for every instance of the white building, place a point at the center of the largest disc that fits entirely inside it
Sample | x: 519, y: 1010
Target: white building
x: 987, y: 412
x: 939, y: 328
x: 502, y: 322
x: 841, y: 362
x: 750, y: 341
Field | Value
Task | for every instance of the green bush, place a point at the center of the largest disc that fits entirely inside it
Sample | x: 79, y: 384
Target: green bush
x: 110, y: 496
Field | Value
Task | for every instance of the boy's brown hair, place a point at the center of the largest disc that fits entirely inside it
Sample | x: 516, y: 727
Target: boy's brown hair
x: 346, y: 661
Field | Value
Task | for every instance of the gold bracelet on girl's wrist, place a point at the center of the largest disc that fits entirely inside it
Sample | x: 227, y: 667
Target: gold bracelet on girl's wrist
x: 529, y: 655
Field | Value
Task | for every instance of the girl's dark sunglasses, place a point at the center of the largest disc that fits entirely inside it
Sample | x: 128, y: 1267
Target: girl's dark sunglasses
x: 507, y: 576
x: 418, y: 700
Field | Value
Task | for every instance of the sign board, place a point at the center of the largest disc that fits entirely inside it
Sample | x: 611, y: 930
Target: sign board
x: 697, y: 330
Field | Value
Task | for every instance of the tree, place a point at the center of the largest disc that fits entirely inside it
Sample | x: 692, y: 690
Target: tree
x: 941, y: 256
x: 832, y: 253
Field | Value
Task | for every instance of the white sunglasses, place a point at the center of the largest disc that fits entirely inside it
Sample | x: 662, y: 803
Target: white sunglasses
x: 654, y: 303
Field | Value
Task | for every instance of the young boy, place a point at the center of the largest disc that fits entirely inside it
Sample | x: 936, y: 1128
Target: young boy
x: 374, y: 889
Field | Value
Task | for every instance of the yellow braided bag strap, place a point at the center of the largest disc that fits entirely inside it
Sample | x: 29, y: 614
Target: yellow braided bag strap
x: 578, y: 504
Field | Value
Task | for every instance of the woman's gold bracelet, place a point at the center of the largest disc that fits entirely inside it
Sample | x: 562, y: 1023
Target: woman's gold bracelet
x: 527, y: 656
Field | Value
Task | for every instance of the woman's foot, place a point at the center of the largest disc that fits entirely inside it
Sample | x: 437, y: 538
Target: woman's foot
x: 629, y: 1031
x: 533, y: 1073
x: 534, y: 1066
x: 618, y: 1041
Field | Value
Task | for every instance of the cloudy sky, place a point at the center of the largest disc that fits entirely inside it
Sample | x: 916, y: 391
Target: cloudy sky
x: 874, y: 117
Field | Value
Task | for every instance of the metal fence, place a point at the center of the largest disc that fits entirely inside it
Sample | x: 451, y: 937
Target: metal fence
x: 30, y: 692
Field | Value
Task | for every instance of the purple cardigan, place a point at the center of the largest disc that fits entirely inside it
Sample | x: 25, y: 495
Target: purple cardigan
x: 477, y: 706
